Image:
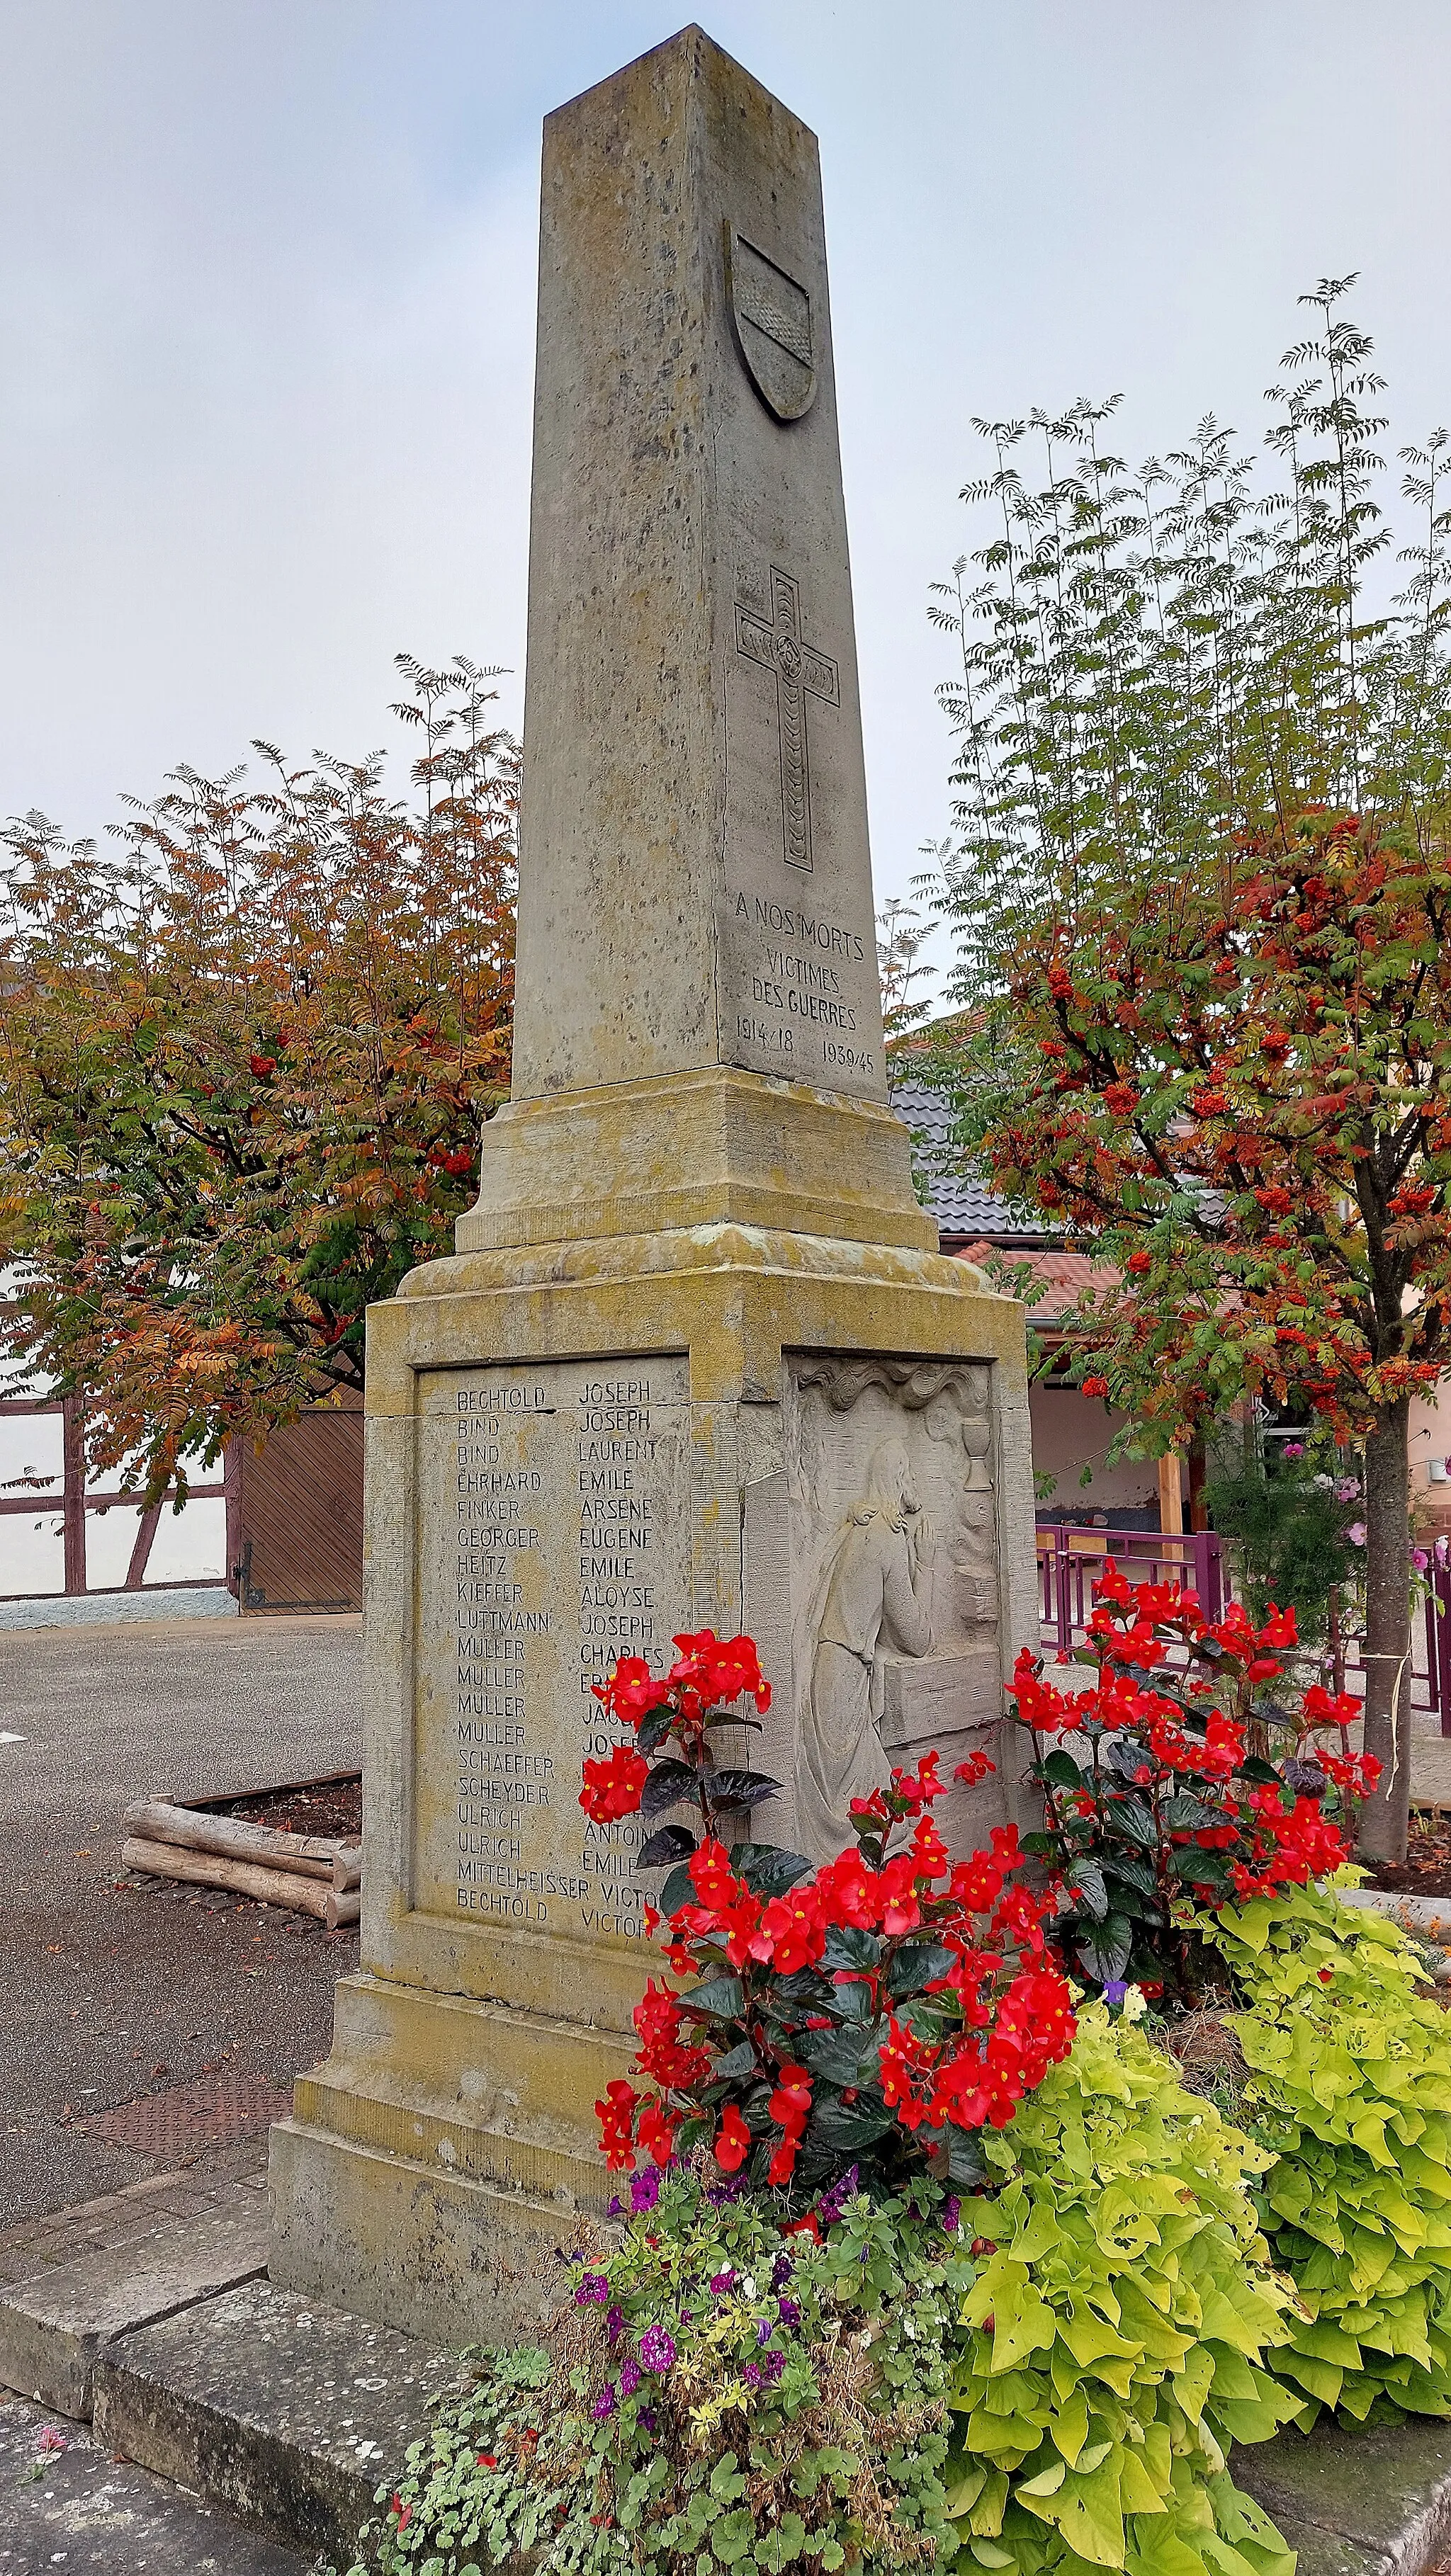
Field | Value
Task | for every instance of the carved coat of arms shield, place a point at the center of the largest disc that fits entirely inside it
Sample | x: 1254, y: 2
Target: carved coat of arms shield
x: 772, y: 315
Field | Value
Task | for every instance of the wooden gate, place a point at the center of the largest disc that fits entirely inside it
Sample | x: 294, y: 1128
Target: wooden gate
x: 295, y: 1536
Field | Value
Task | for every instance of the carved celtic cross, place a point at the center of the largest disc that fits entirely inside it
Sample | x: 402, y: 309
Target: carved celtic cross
x: 801, y: 672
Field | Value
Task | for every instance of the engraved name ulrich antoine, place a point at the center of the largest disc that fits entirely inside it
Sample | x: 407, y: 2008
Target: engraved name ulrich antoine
x: 776, y: 642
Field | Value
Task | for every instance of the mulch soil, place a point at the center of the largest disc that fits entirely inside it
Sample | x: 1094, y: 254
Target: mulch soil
x: 332, y: 1808
x: 1426, y: 1870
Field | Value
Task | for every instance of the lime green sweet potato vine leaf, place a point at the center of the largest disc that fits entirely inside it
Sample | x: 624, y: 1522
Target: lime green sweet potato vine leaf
x: 1117, y: 2336
x: 1350, y: 2088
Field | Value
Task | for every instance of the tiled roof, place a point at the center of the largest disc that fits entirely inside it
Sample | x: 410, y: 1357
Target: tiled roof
x: 963, y: 1206
x: 1062, y: 1274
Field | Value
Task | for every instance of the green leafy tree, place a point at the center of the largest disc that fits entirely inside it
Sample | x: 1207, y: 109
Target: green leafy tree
x: 1202, y: 892
x: 243, y: 1063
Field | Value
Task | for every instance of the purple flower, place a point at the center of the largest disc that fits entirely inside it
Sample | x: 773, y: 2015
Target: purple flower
x: 604, y: 2404
x: 615, y: 2324
x: 657, y: 2349
x: 593, y: 2291
x: 951, y: 2213
x: 775, y: 2364
x: 752, y: 2374
x: 1114, y: 1990
x: 833, y: 2202
x: 648, y: 2418
x: 1419, y: 1559
x: 644, y: 2190
x: 629, y: 2378
x: 722, y: 2282
x: 1293, y: 1449
x: 781, y: 2271
x: 763, y: 2330
x: 617, y: 2207
x: 788, y: 2312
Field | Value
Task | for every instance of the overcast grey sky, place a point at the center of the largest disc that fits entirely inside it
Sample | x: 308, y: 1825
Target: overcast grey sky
x: 267, y: 286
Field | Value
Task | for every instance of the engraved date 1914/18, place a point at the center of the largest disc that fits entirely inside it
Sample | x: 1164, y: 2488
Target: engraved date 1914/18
x: 766, y: 1033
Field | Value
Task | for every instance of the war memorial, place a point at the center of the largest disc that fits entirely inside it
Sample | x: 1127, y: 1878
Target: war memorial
x: 696, y: 1361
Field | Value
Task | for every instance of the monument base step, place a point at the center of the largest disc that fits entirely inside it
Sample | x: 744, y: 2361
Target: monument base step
x: 447, y: 2257
x: 1368, y: 2500
x: 289, y: 2413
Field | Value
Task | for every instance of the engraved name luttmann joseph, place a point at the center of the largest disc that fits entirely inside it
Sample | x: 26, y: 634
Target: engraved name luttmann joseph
x: 800, y: 672
x: 874, y: 1591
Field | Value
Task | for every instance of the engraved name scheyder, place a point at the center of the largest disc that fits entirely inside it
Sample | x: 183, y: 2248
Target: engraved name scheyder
x: 800, y: 672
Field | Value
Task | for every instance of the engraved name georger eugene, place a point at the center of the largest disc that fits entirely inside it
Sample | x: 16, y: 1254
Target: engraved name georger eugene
x: 874, y: 1589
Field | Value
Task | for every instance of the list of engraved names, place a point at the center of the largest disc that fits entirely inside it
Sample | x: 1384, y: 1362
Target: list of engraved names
x: 554, y: 1537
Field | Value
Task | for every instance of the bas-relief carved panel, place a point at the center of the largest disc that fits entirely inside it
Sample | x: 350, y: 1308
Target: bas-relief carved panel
x: 894, y: 1576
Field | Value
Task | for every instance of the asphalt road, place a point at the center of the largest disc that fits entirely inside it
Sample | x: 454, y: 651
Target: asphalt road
x: 111, y: 1991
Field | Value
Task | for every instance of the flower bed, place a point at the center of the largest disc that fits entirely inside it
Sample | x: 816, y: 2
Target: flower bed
x: 925, y: 2258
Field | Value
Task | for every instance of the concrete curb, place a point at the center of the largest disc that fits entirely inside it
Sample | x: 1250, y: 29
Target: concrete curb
x: 1427, y: 1916
x: 1374, y: 2500
x: 54, y: 2326
x: 289, y: 2413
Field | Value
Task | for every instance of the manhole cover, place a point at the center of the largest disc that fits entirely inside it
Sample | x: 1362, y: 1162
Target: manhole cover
x: 208, y: 2113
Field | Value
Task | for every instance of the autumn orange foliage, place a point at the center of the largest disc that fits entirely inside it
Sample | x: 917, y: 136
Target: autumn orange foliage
x: 244, y: 1059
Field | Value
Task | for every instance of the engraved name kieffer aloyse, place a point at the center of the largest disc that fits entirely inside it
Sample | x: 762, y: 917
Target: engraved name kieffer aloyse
x: 801, y: 672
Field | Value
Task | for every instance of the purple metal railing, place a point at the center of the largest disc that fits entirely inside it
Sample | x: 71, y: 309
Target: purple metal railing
x: 1071, y: 1559
x: 1438, y: 1646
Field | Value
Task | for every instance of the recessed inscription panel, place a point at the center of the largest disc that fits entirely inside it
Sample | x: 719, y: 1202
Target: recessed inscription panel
x: 553, y: 1535
x: 799, y: 995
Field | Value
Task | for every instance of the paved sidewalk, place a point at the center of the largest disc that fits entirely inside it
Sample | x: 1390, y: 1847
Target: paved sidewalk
x: 1430, y: 1760
x: 88, y: 2514
x: 110, y: 1992
x: 219, y: 2180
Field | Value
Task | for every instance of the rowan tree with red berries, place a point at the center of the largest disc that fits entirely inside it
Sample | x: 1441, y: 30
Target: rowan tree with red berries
x: 1203, y: 888
x: 244, y: 1060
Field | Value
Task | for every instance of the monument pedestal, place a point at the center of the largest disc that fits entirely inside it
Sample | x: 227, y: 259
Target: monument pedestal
x: 576, y: 1450
x: 696, y: 1362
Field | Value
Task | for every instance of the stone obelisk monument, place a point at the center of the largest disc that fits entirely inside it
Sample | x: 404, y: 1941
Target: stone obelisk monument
x: 696, y: 1360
